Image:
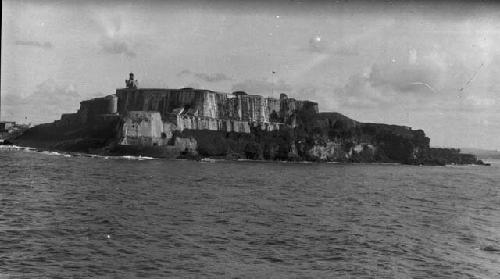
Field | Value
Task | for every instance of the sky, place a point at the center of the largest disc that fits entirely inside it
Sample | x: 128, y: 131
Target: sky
x: 420, y: 64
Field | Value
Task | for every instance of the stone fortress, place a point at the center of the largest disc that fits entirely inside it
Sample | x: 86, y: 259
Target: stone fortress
x: 150, y: 116
x: 179, y: 123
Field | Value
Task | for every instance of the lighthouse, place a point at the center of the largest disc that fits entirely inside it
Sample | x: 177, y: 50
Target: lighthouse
x: 131, y: 82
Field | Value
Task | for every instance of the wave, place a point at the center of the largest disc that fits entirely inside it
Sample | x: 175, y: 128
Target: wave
x: 72, y: 154
x: 140, y: 158
x: 460, y: 166
x: 17, y: 148
x: 55, y: 153
x: 208, y: 160
x: 31, y: 149
x: 124, y: 157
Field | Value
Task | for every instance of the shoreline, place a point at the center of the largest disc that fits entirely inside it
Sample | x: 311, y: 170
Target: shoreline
x: 201, y: 159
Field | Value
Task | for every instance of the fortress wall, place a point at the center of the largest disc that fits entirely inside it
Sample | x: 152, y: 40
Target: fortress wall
x: 290, y: 106
x: 204, y: 123
x: 232, y: 108
x: 112, y: 103
x: 68, y: 120
x: 143, y: 128
x: 209, y: 110
x: 270, y: 126
x: 287, y: 108
x: 213, y: 105
x: 168, y: 129
x: 238, y: 126
x: 148, y: 117
x: 91, y: 109
x: 254, y: 108
x: 251, y: 108
x: 245, y: 107
x: 206, y: 103
x: 307, y: 105
x: 272, y: 105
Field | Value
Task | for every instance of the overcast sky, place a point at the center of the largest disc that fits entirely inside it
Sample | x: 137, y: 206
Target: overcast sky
x: 429, y: 66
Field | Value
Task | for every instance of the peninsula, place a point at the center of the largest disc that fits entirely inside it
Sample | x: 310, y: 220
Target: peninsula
x: 196, y: 123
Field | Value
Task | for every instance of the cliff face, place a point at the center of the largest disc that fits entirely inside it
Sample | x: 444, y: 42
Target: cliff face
x: 363, y: 142
x: 70, y: 136
x: 328, y: 137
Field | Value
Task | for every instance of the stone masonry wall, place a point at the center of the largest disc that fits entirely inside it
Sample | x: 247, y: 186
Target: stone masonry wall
x: 205, y: 103
x: 143, y: 128
x: 151, y: 115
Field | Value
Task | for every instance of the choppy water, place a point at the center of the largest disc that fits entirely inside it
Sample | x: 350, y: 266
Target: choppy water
x: 64, y: 216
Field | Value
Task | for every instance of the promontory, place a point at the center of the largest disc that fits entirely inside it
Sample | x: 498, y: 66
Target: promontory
x: 197, y: 123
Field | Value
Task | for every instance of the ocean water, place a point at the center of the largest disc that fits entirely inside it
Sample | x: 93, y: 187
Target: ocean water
x: 65, y: 216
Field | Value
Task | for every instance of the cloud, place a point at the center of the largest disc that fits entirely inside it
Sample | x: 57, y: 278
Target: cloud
x: 479, y: 102
x: 317, y: 44
x: 115, y: 36
x: 359, y: 92
x: 116, y: 46
x: 406, y: 78
x: 212, y: 78
x: 394, y: 83
x: 320, y: 45
x: 193, y: 85
x: 44, y: 45
x: 262, y: 87
x: 183, y: 73
x: 216, y: 77
x: 45, y: 104
x: 416, y: 84
x: 346, y: 51
x: 309, y: 66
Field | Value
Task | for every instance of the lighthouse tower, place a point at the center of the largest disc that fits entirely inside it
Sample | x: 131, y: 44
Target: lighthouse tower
x: 131, y: 82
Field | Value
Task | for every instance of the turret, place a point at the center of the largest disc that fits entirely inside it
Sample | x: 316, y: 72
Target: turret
x: 131, y: 82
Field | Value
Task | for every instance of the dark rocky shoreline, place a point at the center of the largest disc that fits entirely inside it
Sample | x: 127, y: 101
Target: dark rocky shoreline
x: 257, y: 146
x: 196, y: 157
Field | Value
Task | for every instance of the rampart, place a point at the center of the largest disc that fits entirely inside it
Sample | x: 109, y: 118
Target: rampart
x: 90, y: 111
x: 150, y: 116
x: 211, y: 104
